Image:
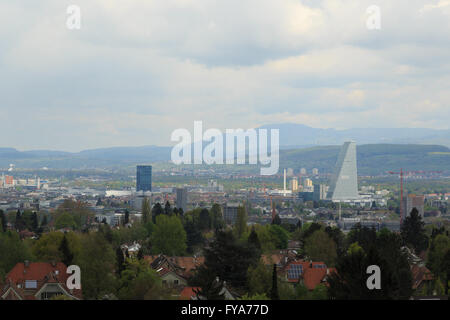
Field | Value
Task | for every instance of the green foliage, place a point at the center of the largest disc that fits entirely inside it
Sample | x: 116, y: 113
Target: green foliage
x: 259, y: 278
x: 254, y: 297
x: 193, y: 235
x: 349, y: 282
x: 438, y: 255
x: 97, y: 262
x: 228, y: 259
x: 50, y: 247
x: 272, y: 237
x: 169, y: 236
x: 138, y: 281
x: 241, y: 222
x: 65, y: 220
x: 320, y: 247
x: 253, y: 240
x: 146, y: 210
x: 217, y: 217
x: 3, y: 221
x: 12, y: 251
x: 156, y: 211
x: 67, y: 255
x: 274, y: 295
x: 413, y: 232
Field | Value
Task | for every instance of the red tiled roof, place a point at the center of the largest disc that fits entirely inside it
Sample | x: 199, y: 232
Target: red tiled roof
x: 42, y: 273
x: 36, y: 271
x: 420, y: 274
x: 188, y: 292
x: 187, y: 264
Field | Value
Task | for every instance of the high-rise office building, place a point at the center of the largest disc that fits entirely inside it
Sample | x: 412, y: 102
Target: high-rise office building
x: 307, y: 183
x: 144, y: 178
x: 320, y: 192
x: 412, y: 201
x: 182, y: 199
x: 344, y: 183
x: 293, y: 184
x: 230, y: 212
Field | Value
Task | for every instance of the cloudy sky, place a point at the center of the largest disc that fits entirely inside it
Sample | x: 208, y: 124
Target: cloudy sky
x: 137, y: 70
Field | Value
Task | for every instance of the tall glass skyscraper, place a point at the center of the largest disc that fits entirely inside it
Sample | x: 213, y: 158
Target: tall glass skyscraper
x: 344, y: 183
x: 143, y: 178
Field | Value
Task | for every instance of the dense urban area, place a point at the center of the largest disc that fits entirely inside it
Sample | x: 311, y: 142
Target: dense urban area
x: 209, y: 234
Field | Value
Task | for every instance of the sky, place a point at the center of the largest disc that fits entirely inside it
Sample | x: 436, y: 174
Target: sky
x: 137, y: 70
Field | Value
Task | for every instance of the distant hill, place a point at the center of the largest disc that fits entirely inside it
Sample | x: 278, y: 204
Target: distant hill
x: 298, y: 135
x: 372, y: 158
x: 95, y: 158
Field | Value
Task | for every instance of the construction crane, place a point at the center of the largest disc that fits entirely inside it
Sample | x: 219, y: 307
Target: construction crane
x: 402, y: 174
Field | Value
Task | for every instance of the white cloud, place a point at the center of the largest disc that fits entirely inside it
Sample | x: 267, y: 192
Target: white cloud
x: 137, y: 70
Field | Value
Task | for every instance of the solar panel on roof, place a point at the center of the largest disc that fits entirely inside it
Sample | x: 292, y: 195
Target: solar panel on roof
x: 295, y: 271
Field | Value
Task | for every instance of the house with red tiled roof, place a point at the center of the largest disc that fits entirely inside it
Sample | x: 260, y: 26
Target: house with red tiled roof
x: 37, y: 281
x: 174, y: 271
x: 308, y: 273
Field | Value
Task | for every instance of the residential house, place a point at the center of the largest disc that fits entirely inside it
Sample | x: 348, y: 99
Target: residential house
x: 37, y: 281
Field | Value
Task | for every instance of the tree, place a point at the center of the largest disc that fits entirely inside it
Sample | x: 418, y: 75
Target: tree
x: 146, y: 209
x: 49, y: 247
x: 97, y: 262
x: 12, y: 251
x: 320, y: 247
x: 319, y: 292
x: 3, y: 221
x: 169, y: 236
x: 44, y: 221
x: 67, y: 255
x: 167, y: 209
x: 413, y: 232
x: 350, y: 279
x: 126, y: 219
x: 120, y: 261
x: 276, y: 220
x: 259, y: 279
x: 437, y: 255
x: 210, y: 289
x: 19, y: 223
x: 193, y: 235
x: 274, y: 291
x: 140, y: 254
x: 34, y: 222
x: 156, y: 211
x: 253, y: 240
x: 228, y: 259
x: 65, y: 220
x: 364, y: 236
x: 204, y: 220
x: 217, y: 217
x: 241, y: 222
x: 138, y: 281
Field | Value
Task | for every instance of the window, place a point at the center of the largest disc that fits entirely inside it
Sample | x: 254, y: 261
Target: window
x: 30, y: 284
x: 175, y: 281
